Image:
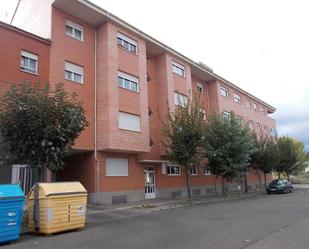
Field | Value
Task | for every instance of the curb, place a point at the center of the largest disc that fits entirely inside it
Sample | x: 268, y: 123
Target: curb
x: 175, y: 204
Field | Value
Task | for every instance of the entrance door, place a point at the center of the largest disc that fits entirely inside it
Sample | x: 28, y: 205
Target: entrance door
x: 150, y: 187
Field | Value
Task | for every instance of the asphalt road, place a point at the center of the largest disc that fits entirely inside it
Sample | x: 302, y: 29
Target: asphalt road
x: 267, y: 222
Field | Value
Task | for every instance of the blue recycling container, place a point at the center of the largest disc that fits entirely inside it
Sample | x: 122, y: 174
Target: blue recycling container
x: 11, y: 212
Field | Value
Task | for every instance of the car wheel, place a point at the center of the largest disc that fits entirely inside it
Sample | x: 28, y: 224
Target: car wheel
x: 285, y: 191
x: 268, y: 192
x: 291, y: 190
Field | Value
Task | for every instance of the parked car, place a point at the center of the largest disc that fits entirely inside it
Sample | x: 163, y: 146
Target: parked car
x: 282, y: 186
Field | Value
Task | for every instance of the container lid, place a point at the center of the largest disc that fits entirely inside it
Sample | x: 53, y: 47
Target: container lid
x: 8, y: 191
x: 58, y: 188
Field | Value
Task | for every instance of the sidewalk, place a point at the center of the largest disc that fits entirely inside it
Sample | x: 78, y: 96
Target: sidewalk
x: 105, y: 213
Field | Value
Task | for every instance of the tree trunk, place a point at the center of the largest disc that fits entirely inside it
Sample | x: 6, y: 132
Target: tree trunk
x: 288, y: 175
x: 246, y: 184
x: 260, y: 180
x: 265, y: 183
x: 215, y: 183
x: 222, y: 185
x: 188, y: 183
x: 279, y: 175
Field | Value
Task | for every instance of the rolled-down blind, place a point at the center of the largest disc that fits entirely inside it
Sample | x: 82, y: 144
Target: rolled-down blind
x: 129, y: 121
x: 29, y: 55
x: 74, y: 68
x: 117, y: 167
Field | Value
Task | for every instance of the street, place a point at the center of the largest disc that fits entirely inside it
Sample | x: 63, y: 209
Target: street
x: 266, y: 222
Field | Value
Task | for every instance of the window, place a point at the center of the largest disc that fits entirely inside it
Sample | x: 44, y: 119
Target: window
x: 254, y: 107
x: 199, y: 87
x: 194, y: 170
x: 250, y: 125
x: 151, y: 142
x: 128, y: 81
x: 237, y: 98
x: 203, y: 113
x: 29, y: 62
x: 117, y: 167
x: 263, y: 111
x: 206, y: 171
x: 127, y: 43
x: 148, y: 78
x: 150, y: 112
x: 248, y: 103
x: 173, y: 170
x: 73, y: 72
x: 178, y: 69
x: 129, y: 122
x: 74, y: 30
x: 273, y: 132
x: 258, y: 127
x: 226, y: 115
x: 265, y: 130
x: 240, y: 120
x: 180, y: 100
x: 224, y: 92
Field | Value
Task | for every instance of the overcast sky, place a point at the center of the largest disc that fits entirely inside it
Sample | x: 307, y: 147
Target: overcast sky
x: 260, y: 45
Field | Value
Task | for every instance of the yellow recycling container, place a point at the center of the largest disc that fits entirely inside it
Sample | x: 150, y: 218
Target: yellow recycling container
x: 57, y: 207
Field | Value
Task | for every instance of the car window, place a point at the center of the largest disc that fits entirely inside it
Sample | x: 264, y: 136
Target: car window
x: 276, y: 181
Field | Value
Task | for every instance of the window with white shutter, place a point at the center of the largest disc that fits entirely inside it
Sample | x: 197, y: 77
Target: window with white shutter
x: 129, y: 122
x: 73, y: 72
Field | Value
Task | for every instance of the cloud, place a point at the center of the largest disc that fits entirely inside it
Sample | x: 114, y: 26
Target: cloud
x: 294, y: 125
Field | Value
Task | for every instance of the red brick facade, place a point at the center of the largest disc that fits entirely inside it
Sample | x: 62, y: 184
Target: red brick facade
x: 102, y: 59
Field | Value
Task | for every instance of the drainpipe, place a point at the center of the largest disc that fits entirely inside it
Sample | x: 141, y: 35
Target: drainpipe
x: 97, y: 163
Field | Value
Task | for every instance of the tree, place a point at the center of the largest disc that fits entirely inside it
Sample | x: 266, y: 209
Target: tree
x: 40, y: 125
x: 228, y: 147
x: 183, y: 136
x: 292, y: 156
x: 302, y: 157
x: 266, y: 156
x: 287, y: 155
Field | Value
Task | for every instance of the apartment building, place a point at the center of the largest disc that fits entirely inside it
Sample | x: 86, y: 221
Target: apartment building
x: 127, y: 80
x: 23, y: 57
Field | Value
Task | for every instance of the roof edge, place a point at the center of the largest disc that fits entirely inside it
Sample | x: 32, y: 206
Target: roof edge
x: 23, y: 32
x: 149, y: 38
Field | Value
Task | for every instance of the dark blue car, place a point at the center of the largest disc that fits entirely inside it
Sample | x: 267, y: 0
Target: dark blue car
x: 280, y: 186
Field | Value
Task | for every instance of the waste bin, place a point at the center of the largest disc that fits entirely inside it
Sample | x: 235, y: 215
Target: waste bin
x: 57, y: 207
x: 11, y: 212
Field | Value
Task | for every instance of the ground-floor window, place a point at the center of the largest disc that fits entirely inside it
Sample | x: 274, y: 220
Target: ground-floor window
x: 194, y: 170
x: 206, y: 171
x: 173, y: 170
x: 117, y: 167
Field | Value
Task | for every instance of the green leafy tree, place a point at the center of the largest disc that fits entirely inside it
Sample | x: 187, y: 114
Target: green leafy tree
x: 4, y: 153
x: 39, y: 125
x: 292, y: 156
x: 183, y: 136
x: 266, y: 156
x: 287, y: 154
x: 300, y: 166
x: 228, y: 147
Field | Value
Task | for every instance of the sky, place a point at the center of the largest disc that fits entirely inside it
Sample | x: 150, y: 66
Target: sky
x: 260, y: 45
